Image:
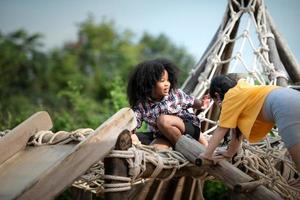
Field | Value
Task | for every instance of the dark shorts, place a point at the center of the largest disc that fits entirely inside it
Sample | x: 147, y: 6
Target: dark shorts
x: 147, y: 137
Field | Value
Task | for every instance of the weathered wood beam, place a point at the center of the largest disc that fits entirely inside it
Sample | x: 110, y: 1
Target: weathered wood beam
x: 118, y: 166
x: 17, y: 139
x: 247, y: 187
x: 229, y: 49
x: 286, y: 56
x: 85, y: 154
x: 278, y: 66
x: 231, y: 176
x: 189, y: 170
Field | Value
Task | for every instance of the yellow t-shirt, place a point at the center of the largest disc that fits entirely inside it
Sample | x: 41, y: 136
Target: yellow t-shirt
x: 240, y: 108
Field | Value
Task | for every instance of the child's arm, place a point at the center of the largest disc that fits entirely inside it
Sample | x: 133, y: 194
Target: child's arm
x: 201, y: 104
x: 203, y: 140
x: 234, y: 144
x: 215, y: 140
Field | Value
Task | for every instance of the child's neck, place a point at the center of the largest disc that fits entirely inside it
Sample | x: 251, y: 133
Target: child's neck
x: 157, y: 99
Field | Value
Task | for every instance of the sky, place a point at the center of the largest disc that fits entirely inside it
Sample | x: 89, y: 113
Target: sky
x: 188, y: 23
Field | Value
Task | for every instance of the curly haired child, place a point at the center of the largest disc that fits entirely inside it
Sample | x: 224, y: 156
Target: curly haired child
x: 154, y: 97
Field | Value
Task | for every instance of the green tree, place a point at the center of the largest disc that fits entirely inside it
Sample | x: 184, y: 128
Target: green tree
x: 162, y: 46
x: 21, y: 69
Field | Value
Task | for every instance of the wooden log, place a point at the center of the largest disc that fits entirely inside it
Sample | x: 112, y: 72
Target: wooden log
x: 248, y: 186
x: 17, y: 139
x: 286, y: 56
x: 231, y: 175
x: 81, y: 157
x: 229, y: 49
x: 275, y: 59
x: 118, y: 166
x: 189, y: 170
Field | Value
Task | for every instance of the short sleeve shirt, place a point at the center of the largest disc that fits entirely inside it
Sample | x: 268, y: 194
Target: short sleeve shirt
x: 176, y: 103
x: 241, y: 107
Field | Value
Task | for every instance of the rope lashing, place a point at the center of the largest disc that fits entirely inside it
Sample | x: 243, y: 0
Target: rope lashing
x: 60, y: 137
x: 137, y: 156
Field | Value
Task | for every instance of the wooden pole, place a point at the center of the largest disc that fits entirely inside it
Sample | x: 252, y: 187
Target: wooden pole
x: 118, y: 166
x: 288, y: 59
x: 231, y: 176
x: 248, y: 186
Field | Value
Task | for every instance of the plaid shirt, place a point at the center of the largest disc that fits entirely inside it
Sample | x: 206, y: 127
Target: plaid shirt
x: 176, y: 103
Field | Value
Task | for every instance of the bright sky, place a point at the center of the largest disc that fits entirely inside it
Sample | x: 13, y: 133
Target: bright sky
x: 189, y: 23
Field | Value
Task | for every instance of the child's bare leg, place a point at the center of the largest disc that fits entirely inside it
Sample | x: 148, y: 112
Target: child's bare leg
x: 171, y: 127
x: 294, y: 152
x: 161, y: 143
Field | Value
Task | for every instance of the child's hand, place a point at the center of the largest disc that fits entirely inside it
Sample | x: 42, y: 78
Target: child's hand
x: 205, y: 101
x: 135, y: 139
x: 206, y: 159
x: 222, y: 154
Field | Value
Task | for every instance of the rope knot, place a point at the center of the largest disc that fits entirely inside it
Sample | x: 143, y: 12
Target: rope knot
x: 226, y: 39
x: 213, y: 58
x: 246, y: 33
x: 248, y: 9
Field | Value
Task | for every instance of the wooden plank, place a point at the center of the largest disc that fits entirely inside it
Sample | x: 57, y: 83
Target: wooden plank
x: 22, y: 170
x: 17, y: 139
x: 82, y: 156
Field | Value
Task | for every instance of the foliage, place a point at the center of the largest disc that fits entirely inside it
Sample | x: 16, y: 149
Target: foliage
x: 80, y: 84
x: 215, y: 190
